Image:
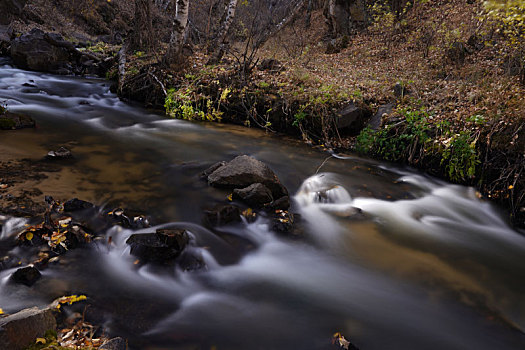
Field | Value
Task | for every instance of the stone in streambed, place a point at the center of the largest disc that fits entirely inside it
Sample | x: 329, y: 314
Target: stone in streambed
x: 211, y: 169
x: 256, y: 195
x: 282, y: 203
x: 76, y: 204
x: 61, y: 153
x: 244, y: 171
x: 34, y: 51
x: 222, y: 215
x: 161, y: 246
x: 20, y: 330
x: 114, y: 344
x: 12, y: 121
x: 26, y: 275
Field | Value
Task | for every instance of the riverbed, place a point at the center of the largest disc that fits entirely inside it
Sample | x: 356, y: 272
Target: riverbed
x: 432, y: 266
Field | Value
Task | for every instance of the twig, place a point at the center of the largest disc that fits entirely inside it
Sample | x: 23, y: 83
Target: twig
x: 323, y: 163
x: 160, y: 83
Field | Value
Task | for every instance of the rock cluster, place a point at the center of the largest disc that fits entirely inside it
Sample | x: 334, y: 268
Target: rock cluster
x: 254, y: 185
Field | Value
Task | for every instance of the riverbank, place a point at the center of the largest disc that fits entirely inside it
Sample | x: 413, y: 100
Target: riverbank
x: 441, y: 95
x: 427, y: 236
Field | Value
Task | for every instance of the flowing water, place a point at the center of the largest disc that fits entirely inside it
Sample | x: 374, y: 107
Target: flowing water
x: 433, y: 266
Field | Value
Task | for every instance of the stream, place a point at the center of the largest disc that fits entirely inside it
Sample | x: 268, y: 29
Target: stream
x: 432, y: 267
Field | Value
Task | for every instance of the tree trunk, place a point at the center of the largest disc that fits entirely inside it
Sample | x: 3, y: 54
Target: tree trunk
x: 174, y: 52
x: 284, y: 22
x: 344, y: 15
x: 221, y: 42
x: 142, y: 38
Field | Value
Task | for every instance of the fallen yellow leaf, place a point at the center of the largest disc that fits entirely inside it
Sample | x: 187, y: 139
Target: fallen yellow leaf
x: 40, y: 341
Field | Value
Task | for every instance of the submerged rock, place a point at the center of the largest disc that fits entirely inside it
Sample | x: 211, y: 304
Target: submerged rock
x: 26, y: 275
x: 11, y: 121
x: 160, y: 247
x: 114, y: 344
x: 222, y: 215
x: 61, y: 153
x: 76, y: 204
x: 244, y: 171
x: 20, y: 330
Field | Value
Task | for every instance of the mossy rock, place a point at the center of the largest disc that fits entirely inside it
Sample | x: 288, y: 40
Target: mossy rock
x: 10, y: 121
x: 7, y: 123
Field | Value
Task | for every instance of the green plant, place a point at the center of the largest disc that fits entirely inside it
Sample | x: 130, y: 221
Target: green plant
x: 396, y: 142
x: 263, y: 85
x: 460, y: 156
x: 299, y: 117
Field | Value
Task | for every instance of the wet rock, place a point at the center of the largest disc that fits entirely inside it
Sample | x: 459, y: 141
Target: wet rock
x: 244, y: 171
x: 20, y: 330
x: 352, y: 119
x: 114, y: 344
x: 11, y: 121
x: 126, y: 220
x: 61, y: 153
x: 76, y: 204
x: 256, y: 195
x: 375, y: 121
x: 26, y: 275
x: 222, y: 215
x: 283, y: 223
x: 160, y: 247
x: 33, y: 52
x: 282, y: 203
x: 211, y: 169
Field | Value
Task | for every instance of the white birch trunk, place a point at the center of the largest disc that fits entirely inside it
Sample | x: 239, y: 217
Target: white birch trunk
x: 221, y: 42
x: 178, y: 32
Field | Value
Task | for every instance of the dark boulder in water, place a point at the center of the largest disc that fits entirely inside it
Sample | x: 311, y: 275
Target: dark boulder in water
x: 76, y: 204
x: 222, y: 215
x: 161, y: 246
x: 244, y: 171
x: 256, y: 195
x: 26, y: 275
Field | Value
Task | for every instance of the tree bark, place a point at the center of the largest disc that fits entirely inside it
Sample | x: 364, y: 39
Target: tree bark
x: 180, y: 23
x: 284, y: 22
x: 221, y: 42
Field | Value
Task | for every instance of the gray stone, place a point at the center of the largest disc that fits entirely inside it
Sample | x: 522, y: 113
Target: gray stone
x: 255, y: 195
x: 375, y: 121
x: 244, y: 171
x: 114, y: 344
x: 61, y: 153
x: 352, y: 119
x: 20, y: 330
x: 162, y: 246
x: 34, y: 51
x: 26, y: 275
